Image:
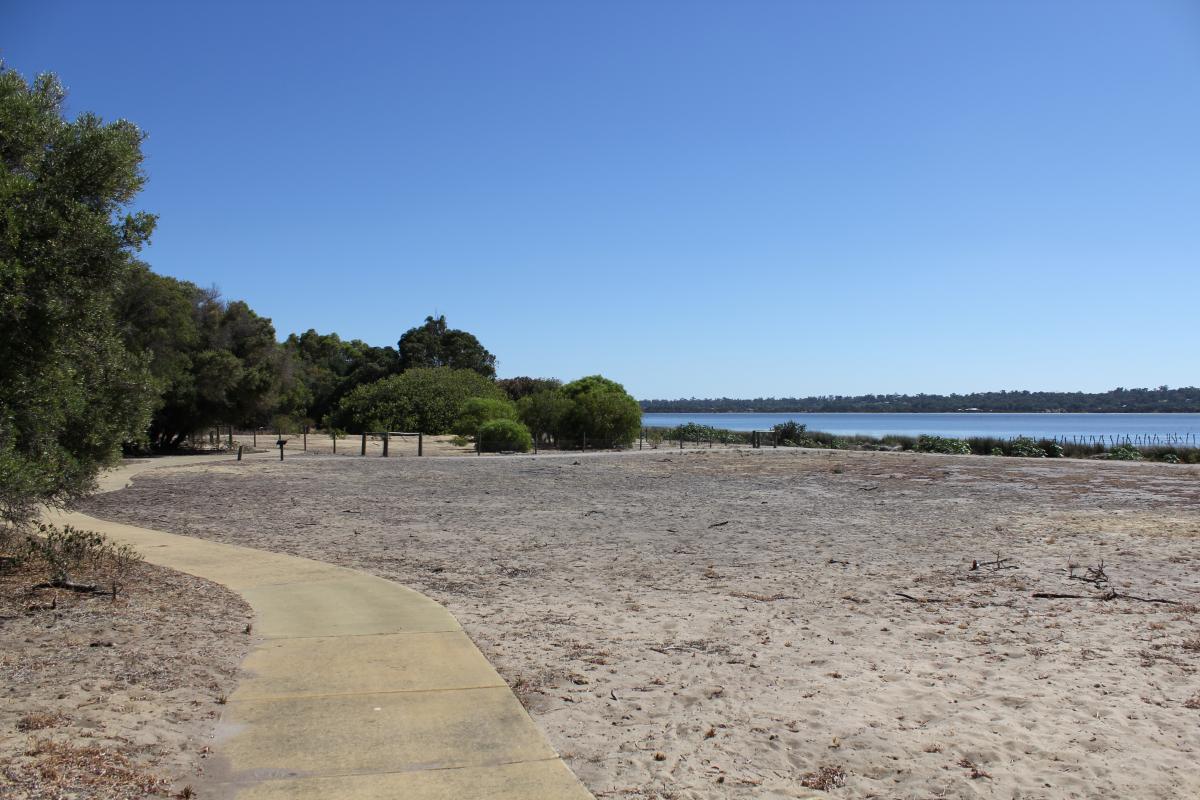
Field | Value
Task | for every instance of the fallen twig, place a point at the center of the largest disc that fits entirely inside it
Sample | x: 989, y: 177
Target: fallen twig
x: 719, y: 524
x: 83, y: 588
x: 921, y: 599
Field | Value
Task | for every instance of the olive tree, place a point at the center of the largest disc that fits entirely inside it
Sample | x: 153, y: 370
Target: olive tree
x: 70, y: 391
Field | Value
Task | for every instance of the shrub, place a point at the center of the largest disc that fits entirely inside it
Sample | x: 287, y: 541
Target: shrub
x: 1170, y: 458
x: 69, y: 554
x: 427, y: 399
x: 478, y: 410
x: 542, y: 412
x: 1025, y: 447
x: 504, y: 434
x: 941, y: 444
x: 1125, y: 452
x: 601, y: 413
x: 996, y: 451
x: 791, y: 433
x: 694, y: 432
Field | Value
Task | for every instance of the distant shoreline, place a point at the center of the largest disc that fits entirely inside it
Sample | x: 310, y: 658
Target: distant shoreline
x: 810, y: 411
x: 1160, y: 400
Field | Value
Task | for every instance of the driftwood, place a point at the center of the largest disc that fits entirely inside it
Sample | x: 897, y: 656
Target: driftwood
x: 1105, y: 596
x: 719, y: 524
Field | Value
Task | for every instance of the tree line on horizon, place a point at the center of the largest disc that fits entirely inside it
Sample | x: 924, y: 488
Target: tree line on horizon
x: 1184, y: 399
x: 99, y: 354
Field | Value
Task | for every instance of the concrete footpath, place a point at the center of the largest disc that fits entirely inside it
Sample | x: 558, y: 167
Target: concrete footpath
x: 358, y: 687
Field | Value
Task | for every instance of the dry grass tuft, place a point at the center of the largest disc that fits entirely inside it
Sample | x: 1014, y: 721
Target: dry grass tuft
x: 63, y: 770
x: 39, y: 720
x: 826, y: 778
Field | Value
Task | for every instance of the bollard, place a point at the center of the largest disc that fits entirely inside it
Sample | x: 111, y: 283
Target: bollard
x: 239, y: 452
x: 420, y: 444
x: 364, y: 444
x: 334, y: 437
x: 281, y: 444
x: 306, y: 438
x: 385, y: 443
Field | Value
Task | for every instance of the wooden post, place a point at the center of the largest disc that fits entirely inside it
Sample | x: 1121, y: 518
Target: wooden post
x: 239, y: 452
x: 642, y: 440
x: 386, y: 436
x: 254, y: 433
x: 333, y: 436
x: 420, y: 444
x: 306, y: 438
x: 281, y: 449
x: 364, y: 444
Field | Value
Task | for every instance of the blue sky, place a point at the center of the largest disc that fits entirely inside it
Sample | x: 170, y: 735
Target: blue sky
x: 696, y: 199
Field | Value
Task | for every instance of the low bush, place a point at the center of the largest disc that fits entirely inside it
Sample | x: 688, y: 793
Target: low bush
x: 477, y: 410
x: 694, y: 432
x: 792, y: 433
x: 942, y: 444
x: 70, y: 556
x: 504, y: 435
x: 1024, y: 447
x: 1125, y: 452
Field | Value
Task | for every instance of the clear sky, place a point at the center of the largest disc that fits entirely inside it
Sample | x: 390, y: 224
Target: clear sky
x: 696, y: 199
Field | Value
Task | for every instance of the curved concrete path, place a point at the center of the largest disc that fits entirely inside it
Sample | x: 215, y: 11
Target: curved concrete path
x: 359, y: 687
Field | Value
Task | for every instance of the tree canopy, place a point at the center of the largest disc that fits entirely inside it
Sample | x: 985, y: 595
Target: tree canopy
x: 435, y: 344
x: 426, y: 399
x: 70, y: 392
x: 213, y: 362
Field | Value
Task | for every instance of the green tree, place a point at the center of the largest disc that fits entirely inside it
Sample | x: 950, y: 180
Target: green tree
x: 426, y: 399
x: 327, y: 368
x: 601, y: 412
x: 70, y: 392
x: 212, y: 362
x: 517, y: 388
x: 478, y: 410
x: 543, y: 412
x: 434, y: 344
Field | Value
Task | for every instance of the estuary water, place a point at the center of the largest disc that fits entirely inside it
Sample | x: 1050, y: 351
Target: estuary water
x: 1184, y: 426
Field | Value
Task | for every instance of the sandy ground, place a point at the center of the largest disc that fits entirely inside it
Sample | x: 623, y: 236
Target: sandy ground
x: 103, y: 699
x: 732, y: 625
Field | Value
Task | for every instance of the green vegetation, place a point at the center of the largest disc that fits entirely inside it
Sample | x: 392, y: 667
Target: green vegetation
x: 434, y: 344
x: 521, y: 387
x: 478, y: 410
x: 601, y: 414
x: 1125, y: 452
x: 543, y: 412
x: 70, y: 392
x: 211, y: 361
x: 941, y: 444
x: 426, y: 399
x: 1162, y: 399
x: 504, y: 435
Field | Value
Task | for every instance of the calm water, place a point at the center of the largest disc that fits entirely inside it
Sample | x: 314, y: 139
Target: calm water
x: 957, y: 425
